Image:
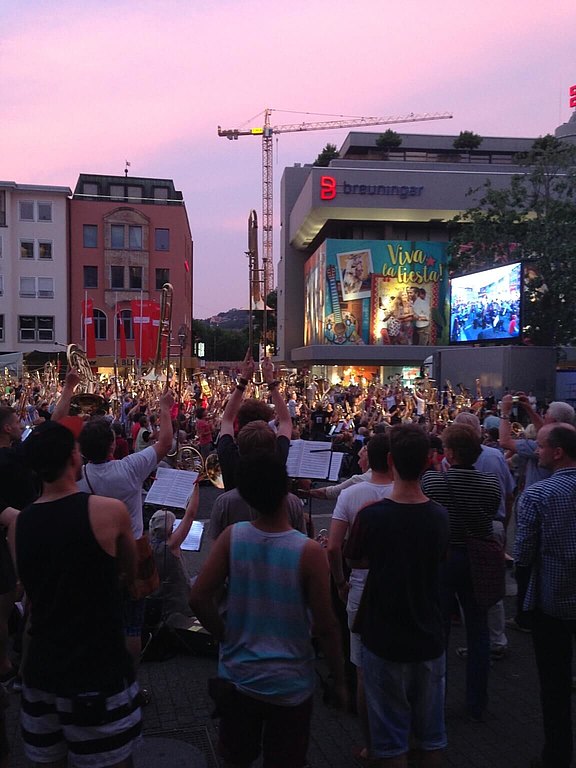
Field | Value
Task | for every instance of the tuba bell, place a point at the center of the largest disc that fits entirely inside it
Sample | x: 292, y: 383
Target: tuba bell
x: 189, y: 459
x: 86, y: 402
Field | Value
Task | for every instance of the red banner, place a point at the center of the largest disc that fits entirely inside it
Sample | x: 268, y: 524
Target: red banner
x: 88, y: 322
x: 145, y: 319
x: 121, y: 334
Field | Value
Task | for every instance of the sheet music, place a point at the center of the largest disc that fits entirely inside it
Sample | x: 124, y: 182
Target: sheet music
x: 314, y: 459
x: 193, y: 541
x: 171, y: 488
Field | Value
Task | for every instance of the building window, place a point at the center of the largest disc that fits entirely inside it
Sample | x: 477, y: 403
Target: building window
x: 135, y: 193
x: 117, y: 191
x: 90, y: 277
x: 135, y: 278
x: 162, y: 276
x: 160, y: 195
x: 90, y: 236
x: 26, y: 249
x: 117, y: 236
x: 125, y: 317
x: 1, y: 327
x: 28, y: 287
x: 45, y: 249
x: 100, y: 325
x: 117, y: 278
x: 32, y: 328
x: 44, y: 211
x: 26, y: 210
x: 135, y: 238
x: 162, y: 239
x: 45, y: 287
x: 88, y: 188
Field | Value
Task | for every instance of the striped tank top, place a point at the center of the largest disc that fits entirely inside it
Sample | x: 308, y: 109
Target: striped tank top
x: 266, y: 651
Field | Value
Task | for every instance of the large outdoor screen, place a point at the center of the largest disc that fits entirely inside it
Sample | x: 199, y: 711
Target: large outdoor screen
x: 486, y: 306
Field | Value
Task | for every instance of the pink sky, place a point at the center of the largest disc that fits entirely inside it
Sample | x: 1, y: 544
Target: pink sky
x: 87, y: 84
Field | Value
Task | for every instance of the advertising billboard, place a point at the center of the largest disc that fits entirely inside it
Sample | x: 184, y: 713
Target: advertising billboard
x: 377, y: 292
x: 486, y: 306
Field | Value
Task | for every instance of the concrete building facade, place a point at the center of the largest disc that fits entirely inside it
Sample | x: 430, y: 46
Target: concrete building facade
x: 34, y: 282
x: 386, y: 213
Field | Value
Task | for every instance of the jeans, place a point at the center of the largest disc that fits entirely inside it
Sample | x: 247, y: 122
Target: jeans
x: 404, y: 698
x: 552, y: 639
x: 457, y: 582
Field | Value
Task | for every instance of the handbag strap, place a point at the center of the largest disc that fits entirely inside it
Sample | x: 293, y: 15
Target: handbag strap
x: 85, y: 472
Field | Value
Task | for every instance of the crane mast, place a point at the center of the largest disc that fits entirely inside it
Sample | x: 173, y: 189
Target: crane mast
x: 267, y: 131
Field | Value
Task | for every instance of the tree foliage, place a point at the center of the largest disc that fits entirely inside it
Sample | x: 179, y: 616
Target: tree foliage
x: 467, y: 140
x: 532, y: 220
x: 389, y: 140
x: 330, y: 152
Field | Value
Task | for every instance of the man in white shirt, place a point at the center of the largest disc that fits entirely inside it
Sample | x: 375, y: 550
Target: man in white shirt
x: 350, y: 502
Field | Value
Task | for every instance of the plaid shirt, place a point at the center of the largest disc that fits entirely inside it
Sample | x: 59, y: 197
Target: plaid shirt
x: 546, y: 543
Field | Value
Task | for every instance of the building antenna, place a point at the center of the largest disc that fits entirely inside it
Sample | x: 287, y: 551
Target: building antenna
x: 126, y: 168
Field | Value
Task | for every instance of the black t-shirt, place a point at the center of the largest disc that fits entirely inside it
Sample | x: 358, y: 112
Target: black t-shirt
x: 19, y: 485
x: 228, y: 457
x: 399, y: 617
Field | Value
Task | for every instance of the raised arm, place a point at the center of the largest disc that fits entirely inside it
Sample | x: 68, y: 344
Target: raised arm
x: 164, y: 442
x: 178, y: 536
x: 235, y: 399
x: 62, y: 407
x: 281, y: 409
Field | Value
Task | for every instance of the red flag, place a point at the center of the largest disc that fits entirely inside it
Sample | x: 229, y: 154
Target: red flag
x: 88, y: 321
x: 155, y: 329
x: 122, y: 336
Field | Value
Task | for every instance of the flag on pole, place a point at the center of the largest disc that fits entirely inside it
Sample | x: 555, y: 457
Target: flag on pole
x: 88, y: 321
x: 121, y: 333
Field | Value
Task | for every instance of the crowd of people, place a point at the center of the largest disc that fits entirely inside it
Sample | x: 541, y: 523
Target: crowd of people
x: 419, y: 534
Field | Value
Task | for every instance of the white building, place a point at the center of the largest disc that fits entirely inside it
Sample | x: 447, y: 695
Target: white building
x: 33, y: 267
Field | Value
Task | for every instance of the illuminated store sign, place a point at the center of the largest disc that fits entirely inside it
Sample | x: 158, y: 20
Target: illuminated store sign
x: 329, y: 189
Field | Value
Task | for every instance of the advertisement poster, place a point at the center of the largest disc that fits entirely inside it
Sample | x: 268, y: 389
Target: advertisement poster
x: 377, y: 292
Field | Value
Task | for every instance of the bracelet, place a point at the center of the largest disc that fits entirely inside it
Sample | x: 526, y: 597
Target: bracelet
x: 505, y: 417
x: 272, y: 385
x: 243, y: 382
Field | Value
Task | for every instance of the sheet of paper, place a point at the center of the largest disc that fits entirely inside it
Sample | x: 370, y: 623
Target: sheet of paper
x: 193, y: 541
x: 171, y: 488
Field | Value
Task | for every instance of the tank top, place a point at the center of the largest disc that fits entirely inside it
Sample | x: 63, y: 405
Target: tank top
x: 266, y: 649
x: 76, y: 635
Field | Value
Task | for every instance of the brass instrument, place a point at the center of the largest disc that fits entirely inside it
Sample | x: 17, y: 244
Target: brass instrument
x: 87, y: 401
x: 164, y: 335
x: 190, y: 459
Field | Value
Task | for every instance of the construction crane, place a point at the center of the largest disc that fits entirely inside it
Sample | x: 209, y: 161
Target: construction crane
x: 267, y: 131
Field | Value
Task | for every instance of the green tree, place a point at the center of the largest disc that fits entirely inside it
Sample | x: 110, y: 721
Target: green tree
x: 467, y: 140
x: 532, y: 220
x: 330, y: 152
x: 388, y: 140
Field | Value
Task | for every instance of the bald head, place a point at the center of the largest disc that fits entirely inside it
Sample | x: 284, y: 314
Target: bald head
x: 471, y: 420
x: 559, y: 413
x: 557, y: 446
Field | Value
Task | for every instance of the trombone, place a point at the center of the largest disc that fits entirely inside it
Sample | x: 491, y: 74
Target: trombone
x: 164, y: 335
